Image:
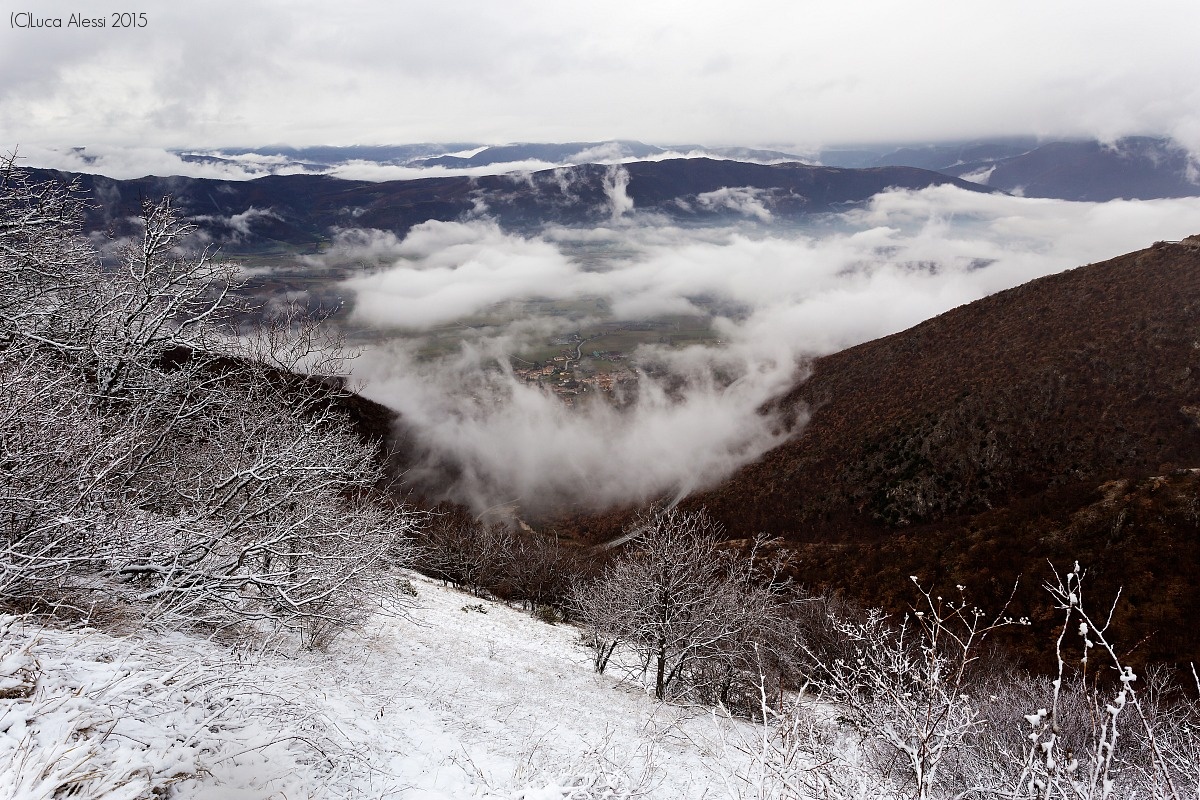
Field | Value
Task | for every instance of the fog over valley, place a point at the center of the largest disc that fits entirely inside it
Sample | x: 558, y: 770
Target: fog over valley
x: 757, y: 302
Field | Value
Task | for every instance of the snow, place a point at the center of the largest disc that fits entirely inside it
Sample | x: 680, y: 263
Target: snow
x: 463, y: 698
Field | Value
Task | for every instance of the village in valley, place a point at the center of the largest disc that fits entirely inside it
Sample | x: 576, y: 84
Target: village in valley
x: 577, y: 370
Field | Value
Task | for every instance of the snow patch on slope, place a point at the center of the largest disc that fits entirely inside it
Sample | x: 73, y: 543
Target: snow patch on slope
x: 465, y: 699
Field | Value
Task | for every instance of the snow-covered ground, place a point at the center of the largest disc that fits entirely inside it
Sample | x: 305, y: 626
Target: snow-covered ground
x: 452, y: 702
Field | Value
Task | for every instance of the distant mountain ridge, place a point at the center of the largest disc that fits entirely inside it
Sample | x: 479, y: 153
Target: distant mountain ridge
x: 460, y: 155
x: 299, y: 211
x: 1134, y: 167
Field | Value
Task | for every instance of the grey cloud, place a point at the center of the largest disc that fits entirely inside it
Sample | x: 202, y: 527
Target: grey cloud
x: 215, y: 73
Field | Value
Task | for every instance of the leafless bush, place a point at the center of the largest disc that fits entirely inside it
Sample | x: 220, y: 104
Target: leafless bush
x: 42, y: 265
x: 1136, y: 742
x: 906, y: 687
x: 56, y: 450
x: 933, y: 722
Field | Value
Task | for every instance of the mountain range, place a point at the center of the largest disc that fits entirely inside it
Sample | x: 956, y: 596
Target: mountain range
x: 1131, y: 167
x: 300, y: 211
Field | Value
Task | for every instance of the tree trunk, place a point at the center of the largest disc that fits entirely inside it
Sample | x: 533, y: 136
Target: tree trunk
x: 603, y: 654
x: 660, y: 682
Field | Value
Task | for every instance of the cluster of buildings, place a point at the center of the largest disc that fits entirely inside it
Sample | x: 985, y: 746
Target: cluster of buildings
x: 564, y: 376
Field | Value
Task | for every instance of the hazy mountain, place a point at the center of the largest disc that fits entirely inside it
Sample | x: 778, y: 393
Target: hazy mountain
x: 1137, y: 167
x: 938, y: 156
x: 298, y: 211
x: 739, y: 153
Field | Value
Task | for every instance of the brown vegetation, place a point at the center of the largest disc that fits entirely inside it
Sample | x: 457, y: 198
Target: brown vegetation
x: 1053, y: 421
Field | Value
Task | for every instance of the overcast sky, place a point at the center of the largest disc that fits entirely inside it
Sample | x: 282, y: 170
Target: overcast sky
x: 793, y: 73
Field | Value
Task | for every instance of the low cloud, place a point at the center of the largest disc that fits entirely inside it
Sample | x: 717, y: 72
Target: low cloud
x: 238, y: 224
x: 775, y: 297
x: 605, y: 153
x: 372, y: 171
x: 616, y: 182
x: 125, y: 163
x: 743, y: 199
x: 496, y: 440
x: 444, y: 271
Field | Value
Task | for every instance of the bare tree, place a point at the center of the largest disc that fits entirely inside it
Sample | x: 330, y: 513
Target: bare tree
x: 57, y: 454
x: 540, y: 570
x: 907, y: 689
x: 696, y: 615
x: 465, y: 551
x: 42, y: 262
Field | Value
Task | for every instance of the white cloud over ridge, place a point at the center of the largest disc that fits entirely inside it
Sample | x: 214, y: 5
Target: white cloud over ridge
x: 776, y: 298
x: 126, y: 162
x: 238, y: 224
x: 743, y: 199
x: 447, y: 270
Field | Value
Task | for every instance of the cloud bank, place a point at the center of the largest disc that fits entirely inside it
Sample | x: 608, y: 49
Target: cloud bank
x: 486, y: 439
x: 776, y: 298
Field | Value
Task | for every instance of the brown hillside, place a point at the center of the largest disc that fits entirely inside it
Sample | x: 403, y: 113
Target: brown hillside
x: 1057, y: 420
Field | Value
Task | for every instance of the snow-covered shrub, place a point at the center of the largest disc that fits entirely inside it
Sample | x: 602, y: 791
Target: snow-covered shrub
x: 907, y: 688
x: 539, y: 573
x: 466, y: 552
x: 932, y: 721
x: 1140, y: 740
x: 152, y: 452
